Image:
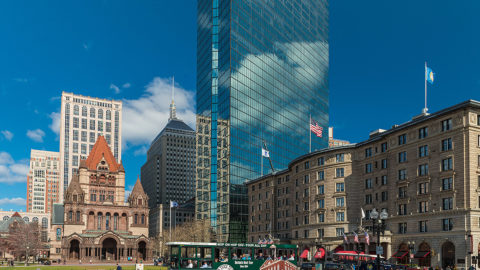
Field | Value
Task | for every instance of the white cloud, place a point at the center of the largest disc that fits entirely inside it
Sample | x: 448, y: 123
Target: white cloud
x: 145, y: 117
x: 36, y: 135
x: 7, y: 134
x: 141, y: 151
x: 115, y: 88
x: 12, y: 171
x: 55, y: 125
x: 128, y: 192
x: 16, y: 201
x: 126, y: 85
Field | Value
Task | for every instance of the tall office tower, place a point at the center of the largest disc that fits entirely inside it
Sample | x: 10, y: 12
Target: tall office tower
x: 169, y: 172
x: 83, y: 119
x: 43, y: 181
x: 262, y: 71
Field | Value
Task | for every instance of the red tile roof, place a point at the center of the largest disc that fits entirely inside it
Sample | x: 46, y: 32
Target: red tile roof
x: 101, y: 150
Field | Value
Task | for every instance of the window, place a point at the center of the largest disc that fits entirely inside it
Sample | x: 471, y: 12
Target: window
x: 447, y: 144
x: 307, y: 165
x: 92, y: 124
x: 384, y: 180
x: 75, y: 135
x: 384, y: 196
x: 78, y: 216
x: 402, y: 228
x: 340, y: 157
x: 447, y: 183
x: 402, y: 157
x: 384, y: 147
x: 92, y: 112
x: 321, y: 217
x: 422, y: 226
x: 305, y: 193
x: 306, y: 220
x: 368, y: 168
x: 84, y: 123
x: 296, y: 169
x: 423, y: 132
x: 368, y: 152
x: 321, y: 161
x: 422, y: 169
x: 320, y: 233
x: 402, y: 139
x: 340, y: 216
x: 368, y: 199
x: 321, y: 190
x: 93, y: 197
x: 423, y: 188
x: 423, y: 151
x: 340, y: 187
x: 447, y: 224
x: 368, y: 183
x: 339, y: 231
x: 423, y: 207
x: 339, y: 172
x: 321, y: 175
x: 402, y: 192
x: 306, y: 179
x: 447, y: 164
x: 84, y: 111
x: 306, y: 206
x: 402, y: 174
x: 384, y: 163
x: 340, y: 202
x: 321, y: 203
x: 305, y: 233
x: 402, y: 209
x: 446, y: 124
x: 447, y: 203
x: 75, y: 122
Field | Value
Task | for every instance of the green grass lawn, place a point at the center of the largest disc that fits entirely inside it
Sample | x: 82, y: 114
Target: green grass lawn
x: 86, y: 267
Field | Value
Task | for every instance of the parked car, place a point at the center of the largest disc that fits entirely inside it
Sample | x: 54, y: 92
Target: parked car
x: 307, y: 266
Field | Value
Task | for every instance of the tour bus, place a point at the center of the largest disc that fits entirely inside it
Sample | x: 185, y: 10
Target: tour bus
x: 232, y: 256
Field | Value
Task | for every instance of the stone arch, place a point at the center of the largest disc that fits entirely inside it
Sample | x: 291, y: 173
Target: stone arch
x: 425, y: 256
x: 99, y: 221
x: 74, y: 249
x: 109, y: 249
x: 91, y: 220
x: 448, y: 254
x: 142, y: 250
x: 403, y: 247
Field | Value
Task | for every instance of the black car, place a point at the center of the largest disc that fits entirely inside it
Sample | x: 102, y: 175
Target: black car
x: 307, y: 266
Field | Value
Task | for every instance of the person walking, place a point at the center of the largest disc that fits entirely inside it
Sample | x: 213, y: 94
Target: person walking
x: 118, y: 267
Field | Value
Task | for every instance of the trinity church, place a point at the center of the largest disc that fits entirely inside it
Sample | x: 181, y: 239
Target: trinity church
x: 96, y: 223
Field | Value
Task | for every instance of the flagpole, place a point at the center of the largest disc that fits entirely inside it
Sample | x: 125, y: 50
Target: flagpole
x: 261, y: 163
x: 171, y: 221
x: 310, y: 132
x: 425, y: 108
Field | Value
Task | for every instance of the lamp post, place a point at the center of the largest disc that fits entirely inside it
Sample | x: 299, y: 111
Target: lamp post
x: 378, y: 220
x: 411, y: 248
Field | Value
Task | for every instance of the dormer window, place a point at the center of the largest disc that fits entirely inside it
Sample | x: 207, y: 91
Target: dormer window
x: 139, y: 201
x: 74, y: 198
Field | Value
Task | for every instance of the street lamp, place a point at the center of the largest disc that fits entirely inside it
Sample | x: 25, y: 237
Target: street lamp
x: 411, y: 248
x: 378, y: 228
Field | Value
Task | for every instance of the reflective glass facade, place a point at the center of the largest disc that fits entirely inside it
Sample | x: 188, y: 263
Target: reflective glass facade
x: 262, y: 70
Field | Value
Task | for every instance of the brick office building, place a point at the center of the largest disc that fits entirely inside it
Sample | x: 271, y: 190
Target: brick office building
x: 425, y: 173
x: 98, y: 224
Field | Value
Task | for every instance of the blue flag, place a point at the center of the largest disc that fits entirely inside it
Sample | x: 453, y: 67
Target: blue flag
x: 429, y: 75
x: 173, y: 204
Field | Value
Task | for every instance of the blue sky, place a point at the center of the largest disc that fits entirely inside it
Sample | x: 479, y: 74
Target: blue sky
x: 129, y: 50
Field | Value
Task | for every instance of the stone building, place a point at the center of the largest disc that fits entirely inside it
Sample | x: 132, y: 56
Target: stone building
x: 98, y: 224
x: 424, y: 173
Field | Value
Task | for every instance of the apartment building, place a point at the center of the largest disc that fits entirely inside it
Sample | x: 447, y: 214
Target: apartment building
x: 425, y: 173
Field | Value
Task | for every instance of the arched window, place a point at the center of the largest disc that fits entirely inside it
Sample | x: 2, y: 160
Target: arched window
x: 143, y: 218
x: 35, y: 219
x: 108, y: 115
x: 92, y: 112
x: 75, y: 110
x: 100, y: 113
x: 70, y: 215
x: 135, y: 219
x: 44, y: 223
x: 59, y: 234
x: 6, y: 218
x: 107, y: 221
x: 139, y: 201
x: 115, y: 221
x: 99, y: 223
x: 84, y: 111
x: 26, y: 219
x: 78, y: 216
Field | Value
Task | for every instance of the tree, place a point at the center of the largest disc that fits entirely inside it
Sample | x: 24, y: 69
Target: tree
x: 191, y: 231
x: 24, y: 239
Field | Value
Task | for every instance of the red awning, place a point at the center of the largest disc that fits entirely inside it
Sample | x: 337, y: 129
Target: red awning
x: 320, y: 253
x: 400, y: 254
x: 421, y: 254
x: 338, y: 248
x: 304, y: 254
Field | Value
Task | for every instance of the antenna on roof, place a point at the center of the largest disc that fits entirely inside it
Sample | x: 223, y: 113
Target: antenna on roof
x: 173, y: 110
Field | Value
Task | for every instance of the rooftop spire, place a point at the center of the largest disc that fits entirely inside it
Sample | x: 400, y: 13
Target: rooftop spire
x: 173, y: 110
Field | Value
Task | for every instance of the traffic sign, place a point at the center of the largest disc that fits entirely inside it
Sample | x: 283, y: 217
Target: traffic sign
x: 379, y: 250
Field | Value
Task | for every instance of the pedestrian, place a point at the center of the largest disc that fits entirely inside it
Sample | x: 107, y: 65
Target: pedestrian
x: 118, y: 267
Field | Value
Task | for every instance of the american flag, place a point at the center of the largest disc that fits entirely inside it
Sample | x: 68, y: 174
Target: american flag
x: 315, y: 128
x: 269, y: 241
x: 356, y: 237
x: 367, y: 238
x: 345, y: 238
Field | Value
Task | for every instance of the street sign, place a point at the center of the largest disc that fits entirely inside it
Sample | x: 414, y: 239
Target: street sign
x: 379, y: 250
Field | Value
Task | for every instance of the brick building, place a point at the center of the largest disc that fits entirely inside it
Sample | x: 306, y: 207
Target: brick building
x: 97, y: 223
x: 425, y: 173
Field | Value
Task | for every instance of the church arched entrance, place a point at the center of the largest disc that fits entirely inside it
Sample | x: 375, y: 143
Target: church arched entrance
x: 142, y: 250
x: 448, y: 254
x: 109, y: 249
x: 74, y: 252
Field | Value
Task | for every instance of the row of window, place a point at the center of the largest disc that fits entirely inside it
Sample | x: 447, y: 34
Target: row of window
x: 447, y: 225
x: 76, y: 111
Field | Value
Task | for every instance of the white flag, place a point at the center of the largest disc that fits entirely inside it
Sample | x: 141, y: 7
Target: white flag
x: 265, y: 153
x: 363, y: 213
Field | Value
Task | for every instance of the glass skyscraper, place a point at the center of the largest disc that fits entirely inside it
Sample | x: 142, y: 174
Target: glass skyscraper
x: 262, y: 72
